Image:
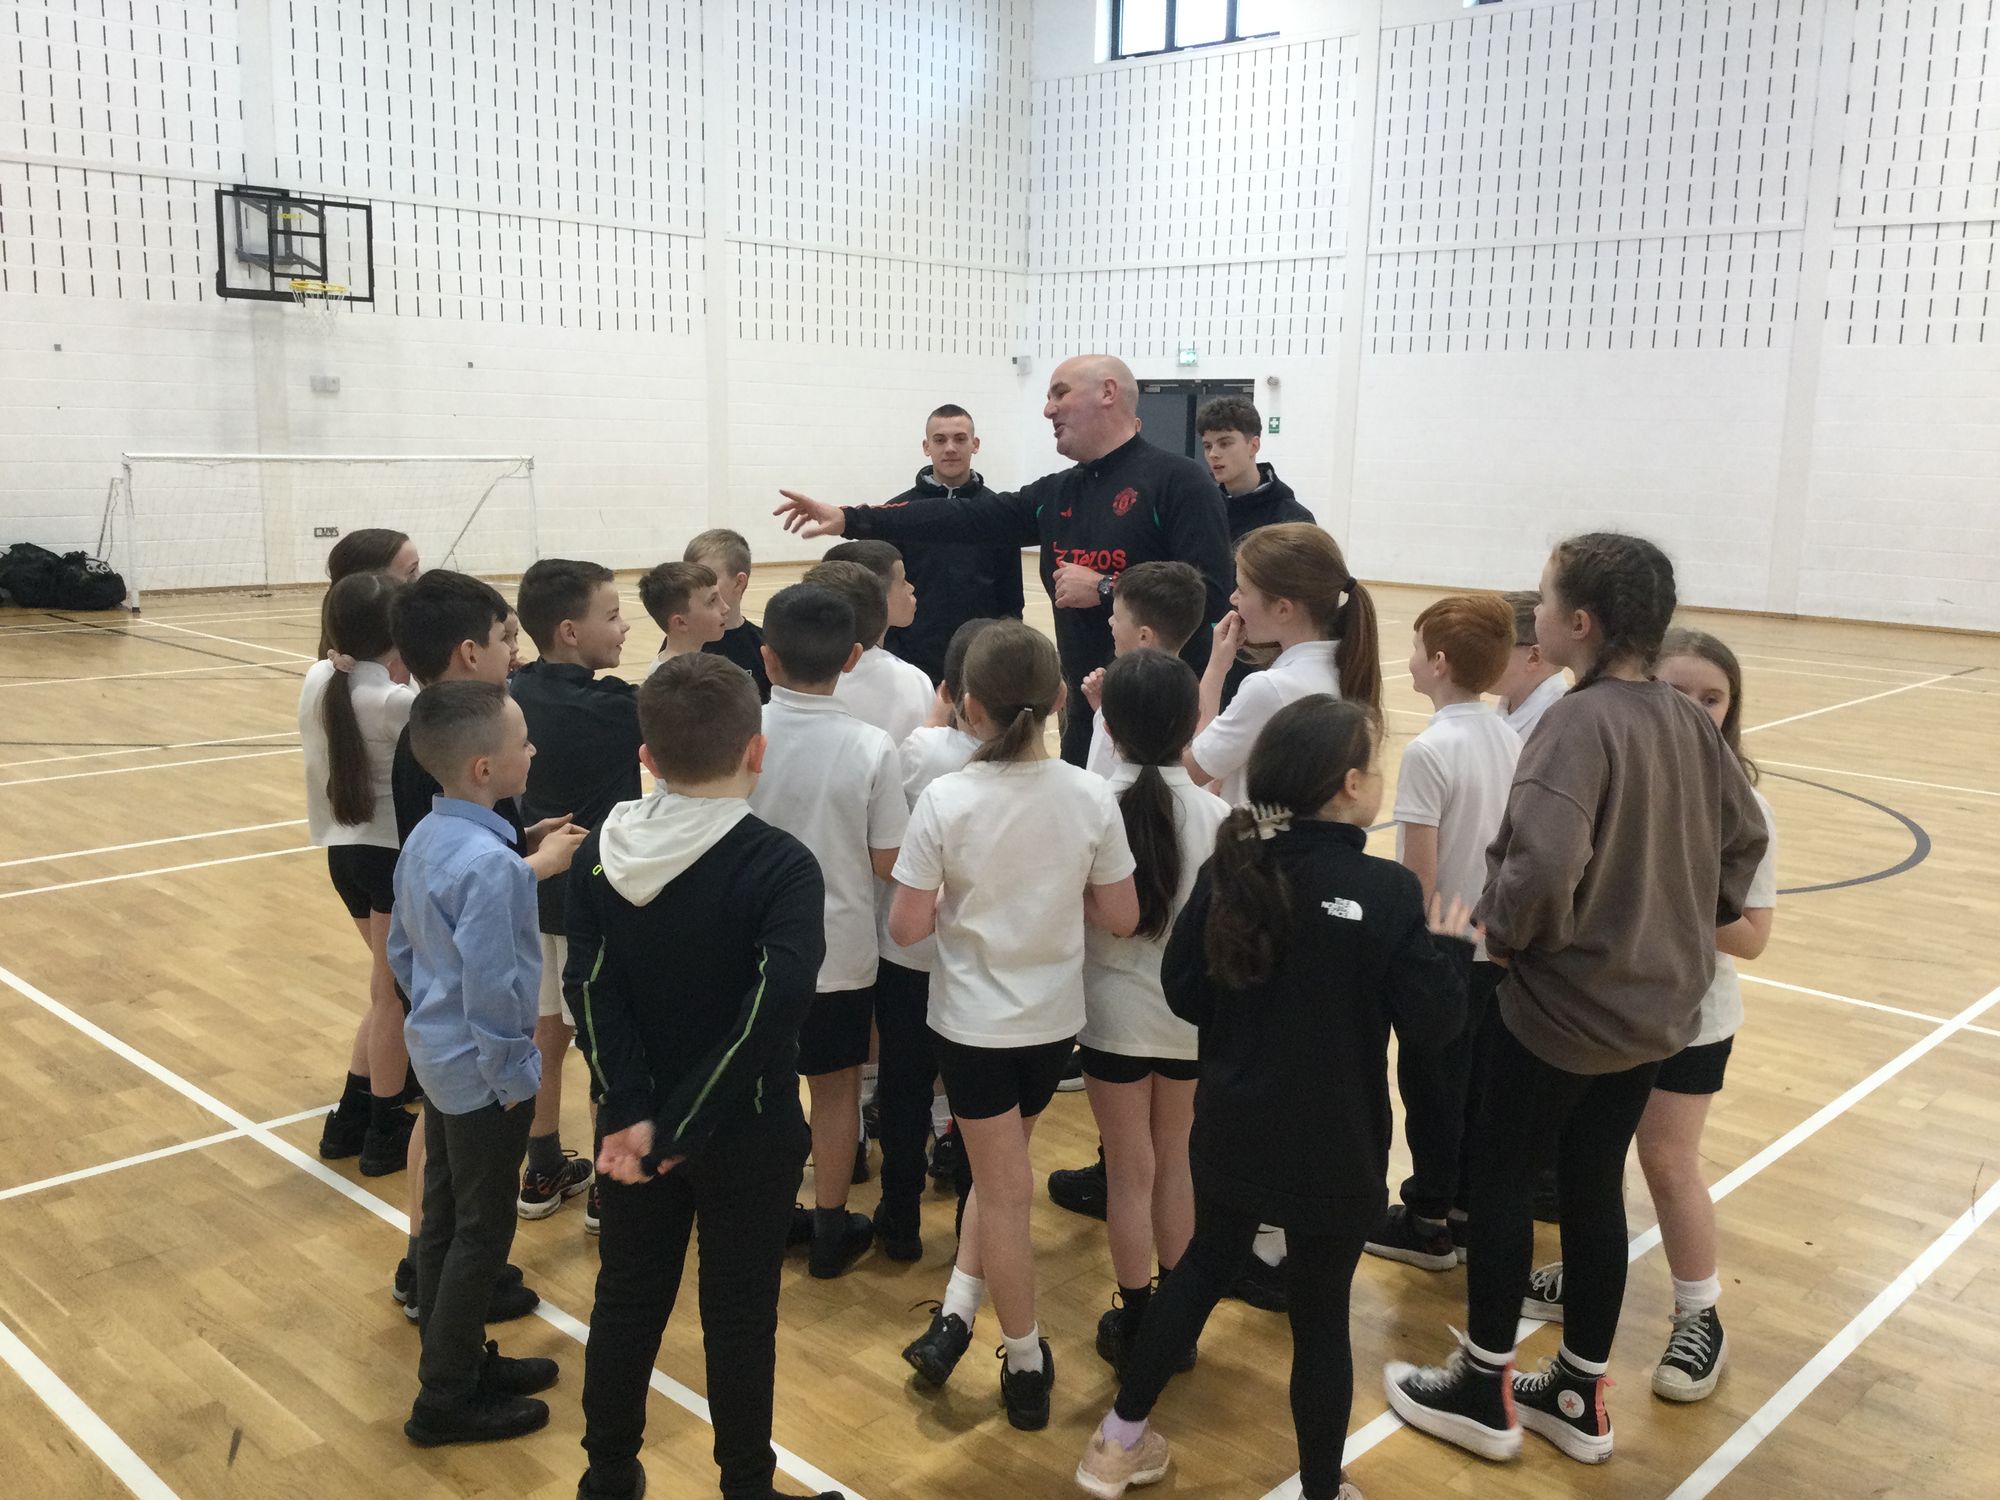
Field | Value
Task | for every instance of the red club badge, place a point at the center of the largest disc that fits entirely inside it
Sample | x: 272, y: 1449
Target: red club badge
x: 1124, y: 500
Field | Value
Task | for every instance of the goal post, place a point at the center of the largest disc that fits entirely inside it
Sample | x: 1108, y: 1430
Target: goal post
x: 199, y: 521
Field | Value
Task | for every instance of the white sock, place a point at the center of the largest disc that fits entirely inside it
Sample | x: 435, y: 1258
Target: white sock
x: 1269, y: 1246
x: 1694, y: 1296
x: 1493, y: 1359
x: 1583, y: 1366
x: 940, y: 1114
x: 1025, y: 1352
x: 964, y: 1295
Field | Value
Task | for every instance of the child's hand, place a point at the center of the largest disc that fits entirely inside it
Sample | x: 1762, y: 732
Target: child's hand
x: 556, y: 849
x: 1454, y: 921
x: 1093, y: 689
x: 622, y: 1155
x: 1231, y: 636
x: 534, y: 833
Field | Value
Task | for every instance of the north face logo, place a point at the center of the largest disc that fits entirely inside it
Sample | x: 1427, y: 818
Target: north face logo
x: 1347, y: 911
x: 1124, y: 500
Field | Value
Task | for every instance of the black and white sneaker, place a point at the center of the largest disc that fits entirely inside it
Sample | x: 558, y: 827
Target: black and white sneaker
x: 593, y: 1208
x: 1081, y: 1190
x: 404, y: 1289
x: 936, y: 1353
x: 1262, y: 1286
x: 1567, y: 1407
x: 1544, y: 1301
x: 542, y: 1193
x: 1463, y: 1401
x: 1695, y: 1355
x: 1071, y: 1081
x: 1461, y: 1235
x: 947, y: 1155
x: 1025, y: 1393
x: 1424, y: 1243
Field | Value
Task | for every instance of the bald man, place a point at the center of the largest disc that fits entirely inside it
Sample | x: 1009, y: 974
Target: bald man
x: 1123, y: 502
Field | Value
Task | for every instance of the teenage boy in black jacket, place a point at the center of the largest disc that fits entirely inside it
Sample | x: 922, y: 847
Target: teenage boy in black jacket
x: 955, y: 581
x: 1123, y: 502
x: 696, y: 933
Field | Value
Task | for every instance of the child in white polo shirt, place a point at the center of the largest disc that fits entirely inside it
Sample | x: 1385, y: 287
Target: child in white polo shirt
x: 1157, y: 604
x: 831, y: 782
x: 1531, y: 681
x: 883, y: 689
x: 1450, y: 797
x: 1294, y: 593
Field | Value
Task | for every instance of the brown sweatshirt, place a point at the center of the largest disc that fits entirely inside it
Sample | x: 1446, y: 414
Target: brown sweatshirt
x: 1631, y: 834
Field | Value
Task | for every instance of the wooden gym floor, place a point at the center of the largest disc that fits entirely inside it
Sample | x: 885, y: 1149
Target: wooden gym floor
x: 199, y: 1306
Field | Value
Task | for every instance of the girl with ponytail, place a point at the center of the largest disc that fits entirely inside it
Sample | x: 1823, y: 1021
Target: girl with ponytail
x: 1297, y: 607
x: 1295, y: 956
x: 352, y: 709
x: 1138, y: 1057
x: 1007, y: 861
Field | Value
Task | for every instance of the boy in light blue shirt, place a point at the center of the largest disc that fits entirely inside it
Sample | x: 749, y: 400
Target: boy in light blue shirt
x: 464, y: 946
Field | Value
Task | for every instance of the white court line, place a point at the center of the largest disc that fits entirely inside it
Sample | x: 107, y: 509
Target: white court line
x: 167, y: 765
x: 200, y: 864
x: 178, y: 838
x: 1375, y: 1432
x: 62, y: 628
x: 233, y: 739
x: 235, y: 666
x: 1893, y: 1010
x: 672, y: 1389
x: 1814, y: 713
x: 84, y: 1173
x: 1936, y: 786
x: 1850, y: 669
x: 227, y: 640
x: 96, y: 1435
x: 1764, y: 1421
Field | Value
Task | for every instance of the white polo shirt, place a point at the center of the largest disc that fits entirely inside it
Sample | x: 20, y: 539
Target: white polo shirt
x: 1009, y: 848
x: 831, y: 782
x: 929, y: 752
x: 1125, y: 1008
x: 1525, y: 715
x: 1456, y: 777
x: 1722, y: 1006
x: 1103, y: 757
x: 1223, y: 749
x: 381, y: 708
x: 886, y: 691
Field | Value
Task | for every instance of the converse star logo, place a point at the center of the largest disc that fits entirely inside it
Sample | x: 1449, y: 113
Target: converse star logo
x: 1347, y: 911
x: 1570, y: 1404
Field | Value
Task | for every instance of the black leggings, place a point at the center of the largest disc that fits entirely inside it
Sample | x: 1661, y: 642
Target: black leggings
x: 1531, y: 1112
x: 1319, y: 1271
x: 903, y: 1091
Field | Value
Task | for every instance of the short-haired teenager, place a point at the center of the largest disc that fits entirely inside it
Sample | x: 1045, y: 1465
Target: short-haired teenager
x: 685, y: 601
x: 695, y: 938
x: 727, y: 555
x: 586, y: 731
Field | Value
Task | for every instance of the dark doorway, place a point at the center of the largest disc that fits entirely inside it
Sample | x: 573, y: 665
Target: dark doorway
x: 1167, y: 408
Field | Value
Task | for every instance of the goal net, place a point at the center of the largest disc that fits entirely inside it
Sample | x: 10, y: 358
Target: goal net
x: 263, y: 520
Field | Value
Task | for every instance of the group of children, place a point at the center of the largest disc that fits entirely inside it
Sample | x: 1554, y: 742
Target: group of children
x: 829, y: 860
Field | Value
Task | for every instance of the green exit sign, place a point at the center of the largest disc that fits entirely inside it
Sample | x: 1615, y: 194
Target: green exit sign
x: 1271, y: 426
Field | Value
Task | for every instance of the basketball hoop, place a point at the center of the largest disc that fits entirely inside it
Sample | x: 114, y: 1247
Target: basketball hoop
x: 320, y: 302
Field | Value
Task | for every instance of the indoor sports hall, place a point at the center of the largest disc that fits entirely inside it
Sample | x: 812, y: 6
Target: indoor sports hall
x: 582, y: 280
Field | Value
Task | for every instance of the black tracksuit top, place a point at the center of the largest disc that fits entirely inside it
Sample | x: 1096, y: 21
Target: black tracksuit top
x: 586, y: 734
x: 688, y: 1008
x: 955, y: 581
x: 740, y: 644
x: 1271, y: 503
x: 1136, y: 504
x: 1291, y: 1117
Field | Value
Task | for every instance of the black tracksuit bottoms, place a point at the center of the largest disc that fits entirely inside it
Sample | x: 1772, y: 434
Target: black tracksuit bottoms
x: 1441, y: 1089
x: 903, y: 1093
x: 737, y: 1194
x: 1319, y: 1273
x: 472, y: 1175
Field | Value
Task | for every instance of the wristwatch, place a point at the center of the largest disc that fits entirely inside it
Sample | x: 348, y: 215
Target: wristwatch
x: 1104, y: 588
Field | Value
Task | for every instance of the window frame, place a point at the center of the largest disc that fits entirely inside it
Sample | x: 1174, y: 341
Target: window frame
x: 1230, y: 36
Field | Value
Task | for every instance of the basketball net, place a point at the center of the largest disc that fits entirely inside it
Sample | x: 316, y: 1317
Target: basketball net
x: 320, y: 302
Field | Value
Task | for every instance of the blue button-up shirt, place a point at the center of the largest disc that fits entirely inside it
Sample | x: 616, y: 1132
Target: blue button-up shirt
x: 464, y: 947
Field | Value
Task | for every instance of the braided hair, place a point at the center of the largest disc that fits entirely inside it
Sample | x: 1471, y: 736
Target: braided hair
x: 1626, y: 585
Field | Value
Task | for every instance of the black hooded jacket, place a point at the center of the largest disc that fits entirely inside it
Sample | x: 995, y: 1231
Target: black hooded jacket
x: 955, y: 581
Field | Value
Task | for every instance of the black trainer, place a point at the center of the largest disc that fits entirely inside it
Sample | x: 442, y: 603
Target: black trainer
x: 479, y: 1418
x: 404, y: 1288
x: 1071, y: 1081
x: 937, y: 1353
x: 511, y: 1298
x: 542, y: 1193
x: 1262, y: 1286
x: 1461, y: 1234
x: 1081, y: 1190
x: 1694, y: 1359
x: 593, y: 1486
x: 1462, y: 1401
x: 1424, y: 1243
x: 1025, y: 1393
x: 947, y: 1152
x: 898, y: 1243
x: 834, y: 1252
x: 344, y: 1134
x: 387, y: 1151
x: 500, y: 1375
x: 1118, y: 1336
x: 1565, y: 1406
x: 1544, y: 1299
x: 593, y: 1208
